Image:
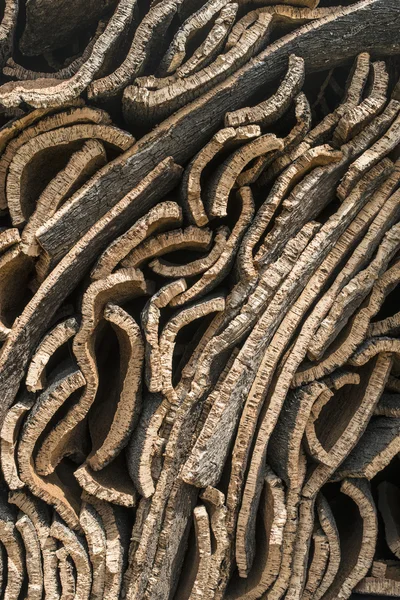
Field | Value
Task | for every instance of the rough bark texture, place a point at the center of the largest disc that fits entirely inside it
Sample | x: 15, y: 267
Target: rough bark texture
x: 199, y: 289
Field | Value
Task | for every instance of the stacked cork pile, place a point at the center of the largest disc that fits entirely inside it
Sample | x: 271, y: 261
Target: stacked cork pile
x: 199, y: 299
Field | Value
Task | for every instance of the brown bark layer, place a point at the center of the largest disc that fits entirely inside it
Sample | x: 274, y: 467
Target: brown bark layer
x: 199, y: 286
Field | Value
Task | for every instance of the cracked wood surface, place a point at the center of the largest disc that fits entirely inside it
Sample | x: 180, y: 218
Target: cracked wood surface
x: 199, y: 324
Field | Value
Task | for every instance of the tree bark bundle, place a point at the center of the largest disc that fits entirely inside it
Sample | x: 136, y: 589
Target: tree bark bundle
x: 199, y: 286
